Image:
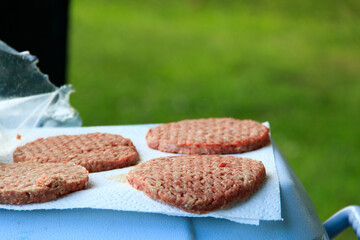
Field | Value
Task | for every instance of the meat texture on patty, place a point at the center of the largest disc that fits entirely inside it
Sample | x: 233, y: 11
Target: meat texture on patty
x: 208, y: 136
x: 198, y: 183
x: 94, y: 151
x: 39, y: 182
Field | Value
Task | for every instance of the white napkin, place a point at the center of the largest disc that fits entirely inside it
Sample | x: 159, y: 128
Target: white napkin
x: 106, y: 190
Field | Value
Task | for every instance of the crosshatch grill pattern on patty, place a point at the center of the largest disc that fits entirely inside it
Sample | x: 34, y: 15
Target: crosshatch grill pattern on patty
x: 198, y: 183
x: 208, y: 136
x: 94, y: 151
x: 39, y: 182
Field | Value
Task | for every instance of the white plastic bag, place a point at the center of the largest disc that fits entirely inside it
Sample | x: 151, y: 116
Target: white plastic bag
x: 28, y: 100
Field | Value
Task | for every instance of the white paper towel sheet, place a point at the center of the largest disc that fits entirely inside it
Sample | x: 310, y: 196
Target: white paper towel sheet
x: 107, y: 190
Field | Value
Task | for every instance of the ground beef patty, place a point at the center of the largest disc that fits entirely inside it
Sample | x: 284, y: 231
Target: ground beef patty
x: 94, y: 151
x: 208, y: 136
x: 197, y: 183
x: 39, y: 182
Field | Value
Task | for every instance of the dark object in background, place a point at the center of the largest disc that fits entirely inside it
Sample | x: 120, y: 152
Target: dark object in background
x: 41, y: 28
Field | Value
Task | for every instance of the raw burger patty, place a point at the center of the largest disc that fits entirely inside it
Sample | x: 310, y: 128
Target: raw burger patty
x: 198, y: 183
x: 208, y: 136
x: 94, y: 151
x: 39, y: 182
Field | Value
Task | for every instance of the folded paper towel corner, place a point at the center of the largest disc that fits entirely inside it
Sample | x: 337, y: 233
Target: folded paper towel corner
x: 108, y: 190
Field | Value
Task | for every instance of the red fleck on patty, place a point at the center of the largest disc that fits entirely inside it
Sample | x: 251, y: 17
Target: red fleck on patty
x: 208, y: 136
x: 39, y: 182
x: 94, y: 151
x: 198, y: 183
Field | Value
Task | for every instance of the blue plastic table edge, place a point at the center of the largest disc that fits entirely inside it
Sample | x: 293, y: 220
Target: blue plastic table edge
x: 349, y: 216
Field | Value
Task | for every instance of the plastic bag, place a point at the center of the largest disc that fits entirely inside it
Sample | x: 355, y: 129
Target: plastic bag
x: 28, y: 100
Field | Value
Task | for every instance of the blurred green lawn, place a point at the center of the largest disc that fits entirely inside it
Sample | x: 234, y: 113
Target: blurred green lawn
x: 295, y: 64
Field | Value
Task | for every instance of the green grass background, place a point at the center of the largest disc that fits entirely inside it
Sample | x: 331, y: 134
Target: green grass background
x: 295, y: 64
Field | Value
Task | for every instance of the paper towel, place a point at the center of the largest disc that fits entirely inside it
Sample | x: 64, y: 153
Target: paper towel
x: 108, y: 190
